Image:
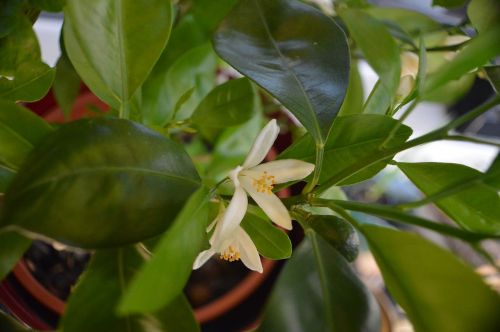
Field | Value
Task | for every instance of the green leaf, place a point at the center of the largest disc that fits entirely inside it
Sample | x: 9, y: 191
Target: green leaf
x: 448, y: 3
x: 338, y: 233
x: 92, y: 306
x: 484, y: 14
x: 460, y: 191
x: 452, y: 91
x: 12, y: 248
x: 303, y: 57
x: 23, y: 76
x: 377, y: 45
x: 6, y: 175
x: 229, y: 104
x: 353, y: 102
x: 10, y: 16
x: 475, y: 54
x: 318, y: 291
x: 493, y: 73
x: 270, y: 241
x: 66, y: 84
x: 193, y: 29
x: 208, y: 14
x: 82, y: 66
x: 437, y: 291
x: 379, y: 101
x: 115, y: 44
x: 412, y: 22
x: 101, y: 183
x: 494, y: 173
x: 353, y: 139
x: 48, y: 5
x: 20, y: 130
x: 162, y: 279
x: 194, y: 69
x: 232, y: 146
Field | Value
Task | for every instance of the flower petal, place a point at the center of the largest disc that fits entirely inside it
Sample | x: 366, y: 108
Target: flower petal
x: 269, y: 203
x: 202, y: 258
x: 262, y: 144
x: 231, y: 219
x: 248, y: 252
x: 283, y: 170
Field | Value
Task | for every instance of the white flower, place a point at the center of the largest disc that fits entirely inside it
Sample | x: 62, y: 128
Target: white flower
x: 258, y: 181
x: 231, y: 248
x: 409, y: 70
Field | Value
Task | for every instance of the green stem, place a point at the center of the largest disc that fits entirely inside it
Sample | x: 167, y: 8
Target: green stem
x: 385, y: 153
x: 399, y: 216
x: 124, y: 112
x: 214, y: 189
x: 320, y: 150
x: 495, y: 100
x: 399, y: 123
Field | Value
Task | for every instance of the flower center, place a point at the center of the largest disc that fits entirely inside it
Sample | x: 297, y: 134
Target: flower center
x: 264, y: 184
x: 231, y: 254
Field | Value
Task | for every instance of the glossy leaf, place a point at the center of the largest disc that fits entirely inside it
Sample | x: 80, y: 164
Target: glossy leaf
x: 92, y: 306
x: 23, y: 76
x: 377, y: 45
x: 484, y: 14
x: 100, y: 183
x: 115, y: 44
x: 353, y: 139
x: 194, y: 69
x: 162, y: 279
x: 318, y: 291
x: 66, y: 84
x: 229, y: 104
x: 477, y: 52
x: 12, y: 248
x: 461, y: 192
x: 301, y: 57
x: 338, y: 233
x: 437, y: 291
x: 270, y: 241
x: 20, y: 130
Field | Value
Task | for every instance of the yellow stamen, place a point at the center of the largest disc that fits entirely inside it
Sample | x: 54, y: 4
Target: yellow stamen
x: 264, y: 184
x: 231, y: 254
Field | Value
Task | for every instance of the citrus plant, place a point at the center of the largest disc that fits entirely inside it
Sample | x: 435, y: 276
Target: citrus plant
x: 177, y: 163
